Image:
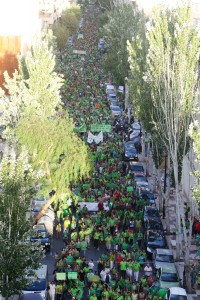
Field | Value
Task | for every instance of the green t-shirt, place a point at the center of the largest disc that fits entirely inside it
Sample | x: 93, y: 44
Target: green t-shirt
x: 136, y: 267
x: 123, y: 265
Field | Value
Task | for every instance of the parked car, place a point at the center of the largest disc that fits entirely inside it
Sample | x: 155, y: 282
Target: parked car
x: 120, y: 89
x: 141, y: 185
x: 148, y: 195
x: 129, y: 151
x: 110, y: 88
x: 39, y: 283
x: 154, y: 224
x: 140, y: 178
x: 31, y: 296
x: 116, y: 110
x: 168, y: 277
x: 150, y: 212
x: 154, y: 239
x: 136, y: 167
x: 163, y: 258
x: 113, y: 102
x: 111, y: 96
x: 41, y: 237
x: 176, y: 293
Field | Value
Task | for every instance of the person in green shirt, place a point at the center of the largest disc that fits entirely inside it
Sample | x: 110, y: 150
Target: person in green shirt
x: 93, y: 297
x: 123, y: 267
x: 105, y: 294
x: 108, y: 241
x: 96, y: 239
x: 136, y: 270
x: 83, y: 246
x: 119, y: 296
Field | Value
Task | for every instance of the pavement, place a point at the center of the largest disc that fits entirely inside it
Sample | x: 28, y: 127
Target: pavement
x: 170, y: 239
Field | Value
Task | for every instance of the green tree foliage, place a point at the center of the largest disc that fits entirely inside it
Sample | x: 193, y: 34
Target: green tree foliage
x: 123, y: 25
x: 70, y: 18
x: 171, y: 79
x: 103, y: 19
x: 17, y: 254
x: 195, y: 135
x: 58, y: 150
x: 35, y: 104
x: 67, y: 25
x: 62, y: 35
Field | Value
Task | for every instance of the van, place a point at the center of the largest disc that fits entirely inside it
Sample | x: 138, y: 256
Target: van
x: 39, y: 283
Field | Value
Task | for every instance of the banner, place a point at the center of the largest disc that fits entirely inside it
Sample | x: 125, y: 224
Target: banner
x: 95, y: 138
x: 72, y: 275
x: 79, y: 52
x: 82, y: 128
x: 100, y: 127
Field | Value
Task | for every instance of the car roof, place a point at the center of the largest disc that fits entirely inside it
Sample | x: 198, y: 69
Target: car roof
x: 164, y: 251
x: 178, y: 291
x: 134, y: 163
x: 169, y: 269
x: 151, y: 208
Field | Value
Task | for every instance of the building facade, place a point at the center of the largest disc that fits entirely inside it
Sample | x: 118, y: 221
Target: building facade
x: 21, y: 21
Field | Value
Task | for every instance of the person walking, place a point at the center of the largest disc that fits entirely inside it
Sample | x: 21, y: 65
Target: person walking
x: 52, y: 290
x: 58, y: 231
x: 136, y: 270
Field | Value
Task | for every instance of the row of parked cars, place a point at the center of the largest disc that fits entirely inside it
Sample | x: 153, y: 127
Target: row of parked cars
x: 154, y: 237
x: 43, y: 230
x: 113, y: 100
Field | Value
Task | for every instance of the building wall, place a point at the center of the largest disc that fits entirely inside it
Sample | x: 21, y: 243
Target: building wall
x: 9, y: 48
x: 21, y: 21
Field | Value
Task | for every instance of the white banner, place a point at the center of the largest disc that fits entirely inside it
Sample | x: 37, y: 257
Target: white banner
x: 95, y: 138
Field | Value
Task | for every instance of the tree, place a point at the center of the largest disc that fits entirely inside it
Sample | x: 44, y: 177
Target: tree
x: 70, y: 18
x: 35, y: 103
x: 62, y: 35
x: 194, y: 132
x: 17, y: 254
x: 124, y: 25
x: 171, y: 74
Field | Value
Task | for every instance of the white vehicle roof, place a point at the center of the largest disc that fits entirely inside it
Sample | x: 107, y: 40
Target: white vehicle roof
x: 93, y: 206
x: 164, y: 251
x: 121, y: 89
x: 110, y: 87
x: 178, y: 291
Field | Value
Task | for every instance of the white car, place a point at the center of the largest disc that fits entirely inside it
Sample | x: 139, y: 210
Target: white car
x: 176, y: 293
x: 116, y: 110
x: 163, y: 257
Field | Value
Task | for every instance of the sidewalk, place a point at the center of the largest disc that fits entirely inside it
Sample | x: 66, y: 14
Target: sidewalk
x: 171, y: 239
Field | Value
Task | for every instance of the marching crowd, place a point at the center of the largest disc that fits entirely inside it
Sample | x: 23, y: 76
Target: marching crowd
x: 122, y: 270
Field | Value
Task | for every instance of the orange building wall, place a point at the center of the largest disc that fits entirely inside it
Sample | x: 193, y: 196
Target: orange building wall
x: 9, y: 49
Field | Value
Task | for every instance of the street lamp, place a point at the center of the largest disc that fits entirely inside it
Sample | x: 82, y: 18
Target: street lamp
x: 165, y: 183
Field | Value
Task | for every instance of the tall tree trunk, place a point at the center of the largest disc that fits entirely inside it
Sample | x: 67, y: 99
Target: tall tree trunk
x: 178, y: 217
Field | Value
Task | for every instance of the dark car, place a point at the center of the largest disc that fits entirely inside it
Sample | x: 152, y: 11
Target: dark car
x: 150, y: 212
x: 149, y: 196
x: 136, y: 167
x: 129, y: 151
x: 154, y: 224
x: 154, y: 239
x: 41, y: 236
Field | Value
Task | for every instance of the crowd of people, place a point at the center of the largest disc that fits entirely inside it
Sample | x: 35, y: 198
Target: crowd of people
x: 116, y: 233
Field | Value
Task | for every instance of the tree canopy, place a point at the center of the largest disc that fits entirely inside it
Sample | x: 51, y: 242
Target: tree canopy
x: 17, y: 255
x: 124, y: 23
x: 33, y: 117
